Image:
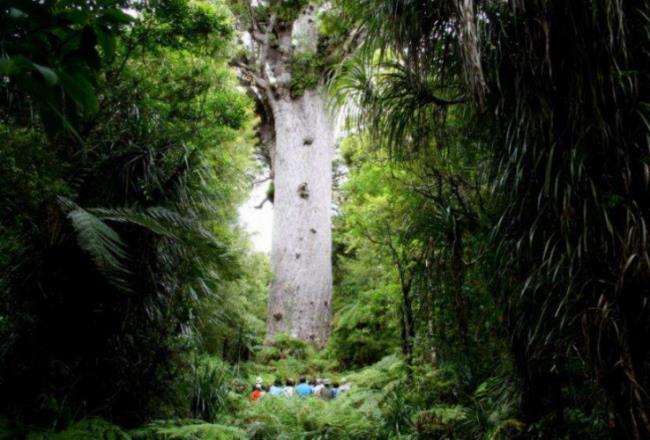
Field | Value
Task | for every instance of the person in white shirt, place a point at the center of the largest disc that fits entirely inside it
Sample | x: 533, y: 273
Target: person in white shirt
x: 319, y: 387
x: 288, y: 389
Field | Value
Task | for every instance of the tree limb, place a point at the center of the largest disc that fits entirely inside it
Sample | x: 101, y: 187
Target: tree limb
x: 252, y: 76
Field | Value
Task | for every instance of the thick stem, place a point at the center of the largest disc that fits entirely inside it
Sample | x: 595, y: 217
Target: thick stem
x: 301, y: 257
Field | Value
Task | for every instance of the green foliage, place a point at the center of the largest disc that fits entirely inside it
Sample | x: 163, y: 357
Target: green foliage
x: 440, y: 422
x: 201, y: 26
x: 52, y: 52
x: 209, y: 381
x: 378, y: 376
x: 119, y: 236
x: 187, y: 430
x: 335, y: 31
x: 285, y: 11
x: 282, y: 368
x: 384, y: 404
x: 365, y: 328
x: 554, y: 220
x: 404, y: 227
x: 288, y: 10
x: 306, y: 72
x: 583, y: 141
x: 87, y: 429
x: 270, y: 192
x: 287, y: 358
x: 273, y: 418
x: 290, y: 347
x: 232, y: 325
x: 491, y: 228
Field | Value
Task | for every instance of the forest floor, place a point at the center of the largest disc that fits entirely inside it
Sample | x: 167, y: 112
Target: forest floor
x: 384, y: 402
x: 350, y: 415
x: 366, y: 411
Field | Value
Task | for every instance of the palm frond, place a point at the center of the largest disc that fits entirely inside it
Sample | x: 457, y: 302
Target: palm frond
x: 101, y: 242
x: 157, y: 219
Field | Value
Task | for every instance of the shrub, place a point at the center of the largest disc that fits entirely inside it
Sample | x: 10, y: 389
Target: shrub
x: 284, y: 347
x: 209, y: 382
x: 273, y: 418
x: 441, y: 422
x: 377, y: 376
x: 86, y: 429
x: 187, y: 430
x: 306, y: 72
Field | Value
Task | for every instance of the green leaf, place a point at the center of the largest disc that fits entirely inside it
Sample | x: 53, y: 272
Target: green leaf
x: 79, y: 88
x: 98, y: 239
x: 107, y: 42
x: 116, y: 16
x: 76, y: 16
x: 50, y: 75
x: 70, y: 43
x: 16, y: 13
x: 549, y: 168
x: 7, y: 66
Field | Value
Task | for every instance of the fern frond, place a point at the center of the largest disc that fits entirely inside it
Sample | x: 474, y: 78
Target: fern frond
x: 507, y: 426
x: 159, y: 220
x: 91, y: 429
x: 99, y: 240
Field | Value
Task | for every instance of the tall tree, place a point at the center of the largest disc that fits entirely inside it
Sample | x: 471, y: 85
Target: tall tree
x: 285, y: 69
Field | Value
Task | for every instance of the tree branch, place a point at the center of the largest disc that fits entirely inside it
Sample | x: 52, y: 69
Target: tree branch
x: 349, y: 46
x: 252, y: 75
x: 261, y: 205
x: 267, y: 41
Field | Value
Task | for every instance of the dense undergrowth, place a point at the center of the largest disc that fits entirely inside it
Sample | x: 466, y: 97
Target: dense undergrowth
x: 387, y: 400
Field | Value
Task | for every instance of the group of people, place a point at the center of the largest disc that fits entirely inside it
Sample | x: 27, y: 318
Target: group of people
x: 322, y: 388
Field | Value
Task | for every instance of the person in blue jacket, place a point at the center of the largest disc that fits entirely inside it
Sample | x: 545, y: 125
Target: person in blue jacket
x: 304, y: 389
x: 276, y: 389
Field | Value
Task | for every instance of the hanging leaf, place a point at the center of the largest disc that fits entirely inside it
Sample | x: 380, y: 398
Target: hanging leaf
x: 50, y: 75
x: 76, y: 16
x: 7, y: 66
x: 107, y: 43
x: 79, y: 88
x: 16, y: 13
x: 116, y: 16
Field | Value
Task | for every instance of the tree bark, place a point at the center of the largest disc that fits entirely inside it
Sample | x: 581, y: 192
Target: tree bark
x: 301, y: 256
x: 298, y: 137
x: 408, y: 324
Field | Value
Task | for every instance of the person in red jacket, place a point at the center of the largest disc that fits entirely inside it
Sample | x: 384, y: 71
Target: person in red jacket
x: 257, y: 393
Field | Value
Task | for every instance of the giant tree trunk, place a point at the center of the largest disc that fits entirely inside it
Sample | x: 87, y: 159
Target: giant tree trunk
x: 282, y: 70
x: 301, y: 256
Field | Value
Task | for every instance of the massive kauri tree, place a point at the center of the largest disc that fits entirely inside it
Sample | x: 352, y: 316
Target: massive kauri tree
x: 285, y: 65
